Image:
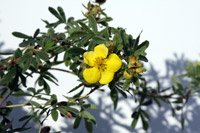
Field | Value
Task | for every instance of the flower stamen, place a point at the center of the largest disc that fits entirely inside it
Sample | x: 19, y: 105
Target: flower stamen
x: 100, y: 63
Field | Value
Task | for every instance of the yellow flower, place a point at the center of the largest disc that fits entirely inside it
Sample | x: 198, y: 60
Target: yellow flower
x: 102, y: 67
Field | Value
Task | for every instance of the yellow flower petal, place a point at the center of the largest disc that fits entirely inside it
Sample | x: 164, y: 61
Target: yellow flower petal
x: 106, y: 77
x: 101, y: 50
x: 89, y: 58
x: 113, y: 63
x: 91, y: 75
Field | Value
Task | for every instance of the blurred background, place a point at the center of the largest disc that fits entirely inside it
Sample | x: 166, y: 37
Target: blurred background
x: 171, y: 26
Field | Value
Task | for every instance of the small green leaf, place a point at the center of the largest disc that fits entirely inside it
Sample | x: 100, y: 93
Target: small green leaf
x: 93, y: 23
x: 42, y: 55
x: 182, y: 122
x: 114, y: 97
x: 19, y: 129
x: 134, y: 122
x: 141, y: 48
x: 25, y: 117
x: 143, y: 58
x: 55, y: 13
x: 20, y: 35
x: 64, y: 110
x: 85, y: 27
x: 20, y: 93
x: 36, y: 33
x: 75, y: 88
x: 90, y: 106
x: 136, y: 41
x: 122, y: 92
x: 54, y: 114
x: 77, y: 122
x: 75, y: 51
x: 62, y: 13
x: 31, y: 89
x: 18, y: 53
x: 87, y: 115
x: 88, y: 125
x: 77, y: 34
x: 126, y: 85
x: 36, y: 104
x: 144, y: 122
x: 99, y: 40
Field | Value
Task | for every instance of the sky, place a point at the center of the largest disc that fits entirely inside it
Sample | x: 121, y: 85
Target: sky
x: 171, y: 26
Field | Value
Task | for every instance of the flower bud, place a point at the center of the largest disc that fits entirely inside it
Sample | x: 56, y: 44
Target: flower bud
x: 127, y: 75
x: 139, y: 70
x: 132, y: 60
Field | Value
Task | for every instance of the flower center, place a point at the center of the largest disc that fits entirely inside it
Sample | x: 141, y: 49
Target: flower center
x: 100, y: 63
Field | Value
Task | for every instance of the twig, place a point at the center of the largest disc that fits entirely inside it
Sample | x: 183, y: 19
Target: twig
x: 16, y: 105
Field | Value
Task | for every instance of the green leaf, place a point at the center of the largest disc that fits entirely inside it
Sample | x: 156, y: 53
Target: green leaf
x: 18, y: 53
x: 90, y: 106
x: 124, y: 37
x: 42, y: 55
x: 77, y: 35
x: 105, y: 33
x: 144, y: 122
x: 36, y: 33
x: 47, y: 77
x: 85, y: 27
x: 122, y: 92
x: 99, y: 40
x: 19, y: 129
x: 141, y: 48
x: 24, y: 44
x: 75, y: 88
x: 93, y: 23
x: 23, y: 79
x: 88, y: 125
x: 143, y: 58
x: 77, y: 122
x: 55, y: 13
x: 20, y: 35
x: 84, y: 40
x: 75, y: 51
x: 118, y: 41
x: 114, y: 97
x: 87, y: 115
x: 134, y: 122
x: 25, y: 61
x: 25, y: 117
x: 9, y: 76
x: 31, y: 89
x: 36, y: 104
x: 20, y: 93
x: 182, y: 122
x: 126, y: 85
x: 62, y: 13
x: 64, y: 110
x: 136, y: 41
x: 54, y: 114
x: 47, y: 88
x: 48, y: 45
